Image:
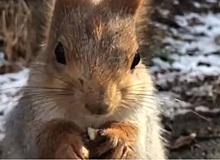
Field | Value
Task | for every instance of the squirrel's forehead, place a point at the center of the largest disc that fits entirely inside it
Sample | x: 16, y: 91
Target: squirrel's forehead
x: 96, y: 23
x: 98, y: 30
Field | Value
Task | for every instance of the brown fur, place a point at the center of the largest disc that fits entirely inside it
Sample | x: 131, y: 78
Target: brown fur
x: 119, y: 137
x: 58, y: 139
x: 142, y: 27
x: 41, y: 12
x: 96, y: 88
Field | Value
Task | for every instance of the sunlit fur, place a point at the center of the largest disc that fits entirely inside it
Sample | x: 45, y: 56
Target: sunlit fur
x: 100, y: 43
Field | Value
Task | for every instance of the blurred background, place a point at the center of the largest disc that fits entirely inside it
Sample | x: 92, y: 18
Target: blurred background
x: 182, y: 52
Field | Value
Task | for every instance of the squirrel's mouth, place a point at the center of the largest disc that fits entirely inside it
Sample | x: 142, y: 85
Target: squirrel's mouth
x: 98, y: 110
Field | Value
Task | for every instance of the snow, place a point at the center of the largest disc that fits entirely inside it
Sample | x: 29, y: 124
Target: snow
x: 211, y: 1
x: 197, y: 5
x: 194, y: 55
x: 10, y: 85
x: 205, y: 109
x: 172, y: 105
x: 209, y: 24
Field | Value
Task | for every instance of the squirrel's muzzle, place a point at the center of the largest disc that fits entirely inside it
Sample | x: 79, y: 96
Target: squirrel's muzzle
x: 101, y: 99
x: 97, y: 109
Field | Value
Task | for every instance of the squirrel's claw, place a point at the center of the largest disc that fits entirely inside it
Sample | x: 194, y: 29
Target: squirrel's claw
x: 113, y: 144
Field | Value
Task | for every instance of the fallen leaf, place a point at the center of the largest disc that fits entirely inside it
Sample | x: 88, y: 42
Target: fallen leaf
x: 183, y: 141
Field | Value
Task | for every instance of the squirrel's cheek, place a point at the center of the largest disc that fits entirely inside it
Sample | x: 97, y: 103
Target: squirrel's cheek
x: 116, y: 99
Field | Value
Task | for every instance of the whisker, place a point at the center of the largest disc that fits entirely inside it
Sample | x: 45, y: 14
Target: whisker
x: 65, y: 76
x: 41, y: 100
x: 37, y: 88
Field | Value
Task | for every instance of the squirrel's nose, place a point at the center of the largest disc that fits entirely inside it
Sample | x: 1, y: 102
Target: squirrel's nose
x: 97, y: 108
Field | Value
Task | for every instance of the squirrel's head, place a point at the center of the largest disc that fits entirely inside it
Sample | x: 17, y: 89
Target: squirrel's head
x: 92, y: 57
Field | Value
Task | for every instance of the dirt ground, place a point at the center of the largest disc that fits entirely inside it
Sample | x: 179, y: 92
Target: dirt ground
x: 205, y: 146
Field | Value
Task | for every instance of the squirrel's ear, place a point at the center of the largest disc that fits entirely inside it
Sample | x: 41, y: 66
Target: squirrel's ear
x: 125, y: 6
x: 68, y: 4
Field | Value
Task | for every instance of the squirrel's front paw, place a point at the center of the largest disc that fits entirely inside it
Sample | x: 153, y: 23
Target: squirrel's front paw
x: 59, y: 139
x: 114, y: 143
x: 71, y: 147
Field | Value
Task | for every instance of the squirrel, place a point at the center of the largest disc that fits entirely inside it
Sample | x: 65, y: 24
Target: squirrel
x: 89, y: 75
x: 38, y: 24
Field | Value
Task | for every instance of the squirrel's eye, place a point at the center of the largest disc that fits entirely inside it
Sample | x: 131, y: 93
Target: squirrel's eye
x: 60, y: 54
x: 136, y: 60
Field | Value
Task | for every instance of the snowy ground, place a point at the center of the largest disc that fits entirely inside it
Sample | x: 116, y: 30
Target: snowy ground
x: 10, y: 84
x: 193, y: 57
